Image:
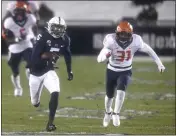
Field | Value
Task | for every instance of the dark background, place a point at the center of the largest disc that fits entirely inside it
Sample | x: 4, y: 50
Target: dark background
x: 161, y: 37
x: 82, y: 38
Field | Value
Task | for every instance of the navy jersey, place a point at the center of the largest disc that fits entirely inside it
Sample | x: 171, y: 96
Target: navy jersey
x: 47, y: 43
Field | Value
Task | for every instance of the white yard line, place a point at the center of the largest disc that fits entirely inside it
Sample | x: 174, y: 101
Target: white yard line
x: 60, y: 134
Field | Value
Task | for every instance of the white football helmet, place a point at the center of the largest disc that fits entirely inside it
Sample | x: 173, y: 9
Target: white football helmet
x: 56, y: 27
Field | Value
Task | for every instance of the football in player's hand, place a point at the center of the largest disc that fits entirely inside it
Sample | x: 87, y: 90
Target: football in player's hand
x: 48, y: 55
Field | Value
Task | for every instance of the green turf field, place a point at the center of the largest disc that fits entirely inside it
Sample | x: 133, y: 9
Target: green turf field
x: 149, y: 106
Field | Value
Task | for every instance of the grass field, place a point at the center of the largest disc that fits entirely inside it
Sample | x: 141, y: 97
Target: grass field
x: 149, y: 106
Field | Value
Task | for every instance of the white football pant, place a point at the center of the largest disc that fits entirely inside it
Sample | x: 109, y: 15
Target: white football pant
x: 50, y: 80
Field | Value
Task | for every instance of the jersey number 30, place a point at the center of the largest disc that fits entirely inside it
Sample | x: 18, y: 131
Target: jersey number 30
x: 124, y: 55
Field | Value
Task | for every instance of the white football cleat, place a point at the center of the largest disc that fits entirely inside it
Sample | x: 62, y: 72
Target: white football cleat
x: 107, y: 119
x: 116, y: 119
x: 18, y: 92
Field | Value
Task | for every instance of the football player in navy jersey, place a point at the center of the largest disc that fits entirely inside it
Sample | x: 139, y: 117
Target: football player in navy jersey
x: 46, y: 52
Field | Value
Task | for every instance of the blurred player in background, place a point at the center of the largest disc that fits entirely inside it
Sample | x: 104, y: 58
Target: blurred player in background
x: 18, y: 34
x: 32, y: 8
x: 45, y: 54
x: 119, y: 49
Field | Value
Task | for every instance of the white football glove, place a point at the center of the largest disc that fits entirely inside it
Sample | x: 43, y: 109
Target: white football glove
x: 104, y: 55
x: 161, y: 68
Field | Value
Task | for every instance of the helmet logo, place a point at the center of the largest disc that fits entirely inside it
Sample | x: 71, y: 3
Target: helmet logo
x: 119, y: 29
x: 48, y: 42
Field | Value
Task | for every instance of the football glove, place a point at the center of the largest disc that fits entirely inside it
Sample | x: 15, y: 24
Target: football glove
x: 70, y: 76
x: 161, y: 68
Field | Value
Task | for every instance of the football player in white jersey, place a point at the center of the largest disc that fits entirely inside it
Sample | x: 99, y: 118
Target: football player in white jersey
x: 17, y: 31
x: 32, y: 8
x: 119, y: 49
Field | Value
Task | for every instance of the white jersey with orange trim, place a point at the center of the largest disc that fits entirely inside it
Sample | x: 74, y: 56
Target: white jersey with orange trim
x: 121, y: 56
x: 10, y: 24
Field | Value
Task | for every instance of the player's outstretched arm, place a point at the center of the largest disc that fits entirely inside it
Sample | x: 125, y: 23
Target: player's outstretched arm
x: 103, y: 55
x: 68, y: 61
x: 147, y: 49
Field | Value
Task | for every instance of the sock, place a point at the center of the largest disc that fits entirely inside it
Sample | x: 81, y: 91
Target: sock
x: 120, y: 96
x: 53, y: 106
x: 27, y: 71
x: 108, y: 104
x: 16, y: 81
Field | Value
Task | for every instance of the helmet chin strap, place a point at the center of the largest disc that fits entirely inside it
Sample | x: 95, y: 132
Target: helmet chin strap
x: 123, y: 41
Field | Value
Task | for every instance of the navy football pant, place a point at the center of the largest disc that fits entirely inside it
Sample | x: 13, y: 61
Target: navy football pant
x: 116, y: 81
x: 15, y: 59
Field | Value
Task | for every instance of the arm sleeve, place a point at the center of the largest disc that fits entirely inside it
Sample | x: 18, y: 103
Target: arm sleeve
x: 106, y: 51
x: 147, y: 49
x: 67, y: 56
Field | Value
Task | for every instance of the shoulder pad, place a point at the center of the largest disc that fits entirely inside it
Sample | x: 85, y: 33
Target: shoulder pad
x: 109, y: 39
x: 138, y: 39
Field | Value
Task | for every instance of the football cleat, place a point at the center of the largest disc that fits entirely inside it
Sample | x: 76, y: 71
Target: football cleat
x: 50, y: 127
x: 107, y: 119
x: 116, y: 119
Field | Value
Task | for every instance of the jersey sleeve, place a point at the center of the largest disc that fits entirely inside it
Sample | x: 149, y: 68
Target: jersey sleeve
x: 41, y: 39
x: 107, y: 42
x: 106, y: 50
x: 144, y: 47
x: 140, y: 43
x: 33, y: 19
x: 38, y: 49
x: 7, y: 23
